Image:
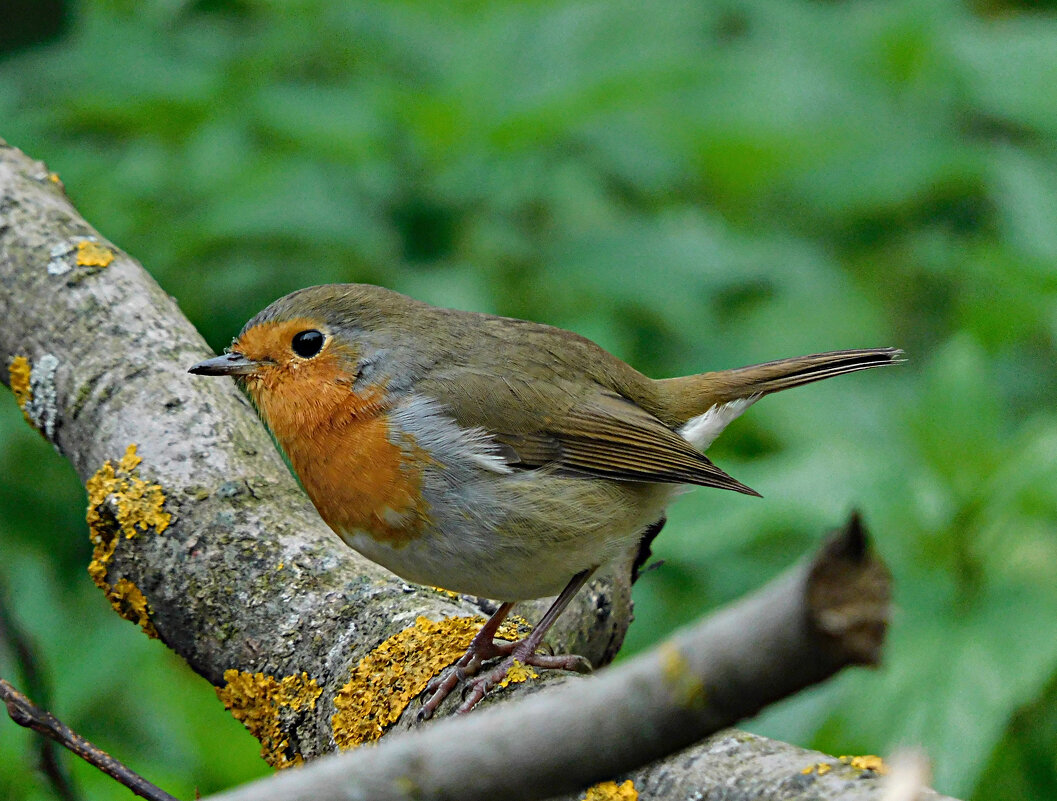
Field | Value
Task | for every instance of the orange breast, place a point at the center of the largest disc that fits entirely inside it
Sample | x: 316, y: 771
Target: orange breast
x: 338, y: 442
x: 360, y: 481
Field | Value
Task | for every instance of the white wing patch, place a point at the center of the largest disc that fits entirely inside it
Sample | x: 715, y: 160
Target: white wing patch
x: 438, y: 434
x: 701, y: 431
x: 482, y: 451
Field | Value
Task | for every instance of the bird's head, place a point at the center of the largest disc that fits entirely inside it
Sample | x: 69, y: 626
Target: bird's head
x: 313, y: 347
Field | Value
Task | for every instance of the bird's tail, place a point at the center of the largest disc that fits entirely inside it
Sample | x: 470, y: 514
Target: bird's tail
x: 693, y: 395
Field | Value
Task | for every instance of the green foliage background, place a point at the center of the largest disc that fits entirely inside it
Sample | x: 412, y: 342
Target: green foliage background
x: 695, y: 186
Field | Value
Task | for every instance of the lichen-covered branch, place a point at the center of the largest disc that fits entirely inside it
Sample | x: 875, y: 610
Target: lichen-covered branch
x: 200, y: 534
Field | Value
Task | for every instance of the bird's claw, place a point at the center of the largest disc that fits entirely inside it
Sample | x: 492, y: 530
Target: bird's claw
x: 571, y: 662
x: 438, y: 690
x: 479, y: 686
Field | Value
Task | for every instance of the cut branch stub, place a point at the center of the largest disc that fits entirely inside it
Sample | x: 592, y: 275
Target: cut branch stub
x: 848, y: 595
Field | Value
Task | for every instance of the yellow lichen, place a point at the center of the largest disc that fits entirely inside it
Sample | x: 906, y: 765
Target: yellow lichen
x: 19, y: 374
x: 513, y: 628
x: 121, y: 503
x: 686, y: 688
x: 93, y: 254
x: 258, y: 701
x: 821, y: 768
x: 389, y: 677
x: 137, y: 505
x: 443, y: 591
x: 517, y: 674
x: 611, y: 791
x: 54, y: 178
x: 866, y: 762
x: 130, y: 602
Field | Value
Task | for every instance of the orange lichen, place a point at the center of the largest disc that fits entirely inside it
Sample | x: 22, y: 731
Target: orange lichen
x: 19, y: 374
x: 93, y: 254
x: 389, y: 677
x: 866, y: 762
x: 686, y: 688
x: 34, y: 388
x: 821, y: 768
x: 517, y: 674
x: 514, y: 628
x: 121, y: 503
x: 137, y: 505
x: 264, y: 704
x: 130, y: 602
x: 611, y: 791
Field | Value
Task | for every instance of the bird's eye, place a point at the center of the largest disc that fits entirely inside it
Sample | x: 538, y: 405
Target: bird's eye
x: 307, y: 344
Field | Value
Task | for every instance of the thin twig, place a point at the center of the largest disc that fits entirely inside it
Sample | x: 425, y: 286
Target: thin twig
x: 28, y: 665
x: 25, y: 713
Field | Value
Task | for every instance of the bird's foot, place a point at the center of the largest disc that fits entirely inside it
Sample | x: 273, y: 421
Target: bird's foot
x: 479, y: 687
x: 470, y: 665
x: 484, y: 647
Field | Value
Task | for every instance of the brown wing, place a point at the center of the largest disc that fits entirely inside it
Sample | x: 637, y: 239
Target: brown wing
x: 589, y: 431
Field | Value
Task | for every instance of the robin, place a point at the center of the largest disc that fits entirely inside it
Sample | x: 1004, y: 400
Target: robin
x: 487, y: 455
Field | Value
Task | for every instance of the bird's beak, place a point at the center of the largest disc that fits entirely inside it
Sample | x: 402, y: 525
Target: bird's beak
x: 233, y: 364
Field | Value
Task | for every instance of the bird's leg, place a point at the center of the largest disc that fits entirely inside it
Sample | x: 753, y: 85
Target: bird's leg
x: 524, y: 651
x: 482, y: 648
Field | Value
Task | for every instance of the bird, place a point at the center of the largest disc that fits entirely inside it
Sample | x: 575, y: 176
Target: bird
x: 487, y: 455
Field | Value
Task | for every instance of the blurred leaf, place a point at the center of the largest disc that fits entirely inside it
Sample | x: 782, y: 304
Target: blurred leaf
x: 1027, y: 194
x: 1008, y: 66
